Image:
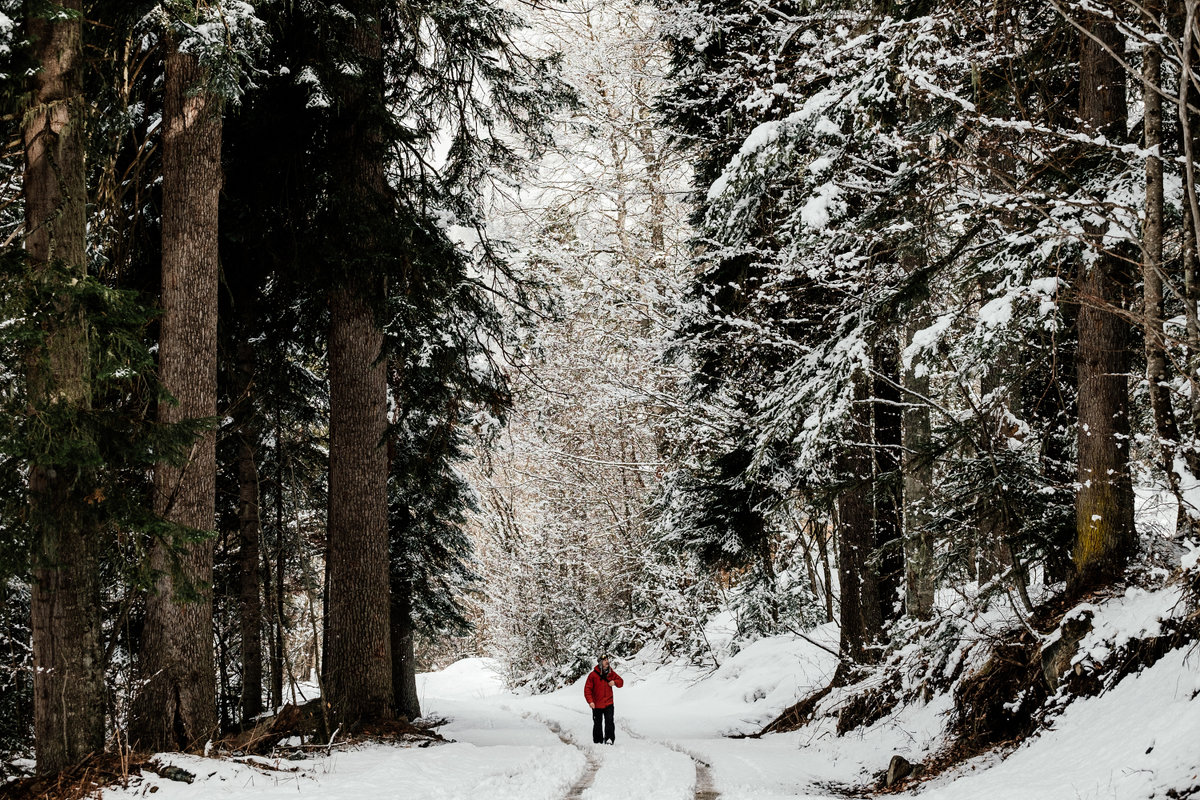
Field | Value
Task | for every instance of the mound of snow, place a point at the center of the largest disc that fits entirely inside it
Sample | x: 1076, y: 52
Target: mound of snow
x: 771, y: 674
x: 468, y: 679
x: 681, y: 701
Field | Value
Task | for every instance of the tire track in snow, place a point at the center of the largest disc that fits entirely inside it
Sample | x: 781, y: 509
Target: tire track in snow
x: 593, y: 763
x: 704, y: 784
x: 704, y: 789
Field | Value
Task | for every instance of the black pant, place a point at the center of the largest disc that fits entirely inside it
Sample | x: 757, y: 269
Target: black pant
x: 610, y: 729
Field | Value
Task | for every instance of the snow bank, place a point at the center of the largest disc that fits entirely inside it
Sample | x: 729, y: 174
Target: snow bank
x: 748, y: 690
x: 434, y: 773
x: 1136, y: 741
x: 470, y: 678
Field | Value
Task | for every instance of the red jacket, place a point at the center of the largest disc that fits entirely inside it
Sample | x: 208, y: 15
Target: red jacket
x: 596, y: 690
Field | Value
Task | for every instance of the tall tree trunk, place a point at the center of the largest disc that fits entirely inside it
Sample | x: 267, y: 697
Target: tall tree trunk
x: 1104, y: 537
x: 358, y: 667
x: 68, y: 674
x: 358, y: 652
x: 859, y: 609
x: 888, y: 510
x: 826, y: 572
x: 176, y: 706
x: 1157, y: 375
x: 250, y: 610
x: 1189, y: 516
x: 919, y: 576
x: 994, y: 522
x: 1182, y: 25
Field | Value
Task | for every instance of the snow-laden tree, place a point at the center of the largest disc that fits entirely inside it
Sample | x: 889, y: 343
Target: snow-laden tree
x: 902, y: 209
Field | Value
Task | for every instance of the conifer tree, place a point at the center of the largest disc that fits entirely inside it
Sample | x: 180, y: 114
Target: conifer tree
x: 1105, y: 536
x: 357, y: 668
x: 176, y: 705
x: 69, y: 698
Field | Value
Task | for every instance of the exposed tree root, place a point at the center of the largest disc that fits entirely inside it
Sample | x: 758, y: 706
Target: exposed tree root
x: 80, y: 781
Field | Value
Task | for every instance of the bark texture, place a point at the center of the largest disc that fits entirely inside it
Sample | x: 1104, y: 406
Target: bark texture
x: 68, y: 680
x: 1157, y: 373
x: 176, y: 707
x: 995, y: 520
x: 860, y: 617
x: 358, y: 650
x: 1104, y: 535
x: 273, y: 588
x: 358, y: 657
x: 1181, y: 19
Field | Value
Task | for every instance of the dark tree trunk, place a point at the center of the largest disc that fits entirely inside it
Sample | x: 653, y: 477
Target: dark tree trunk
x: 826, y: 571
x: 281, y: 617
x: 274, y: 596
x: 221, y: 635
x: 358, y: 673
x: 358, y: 651
x: 1104, y: 537
x: 860, y: 617
x: 919, y: 576
x: 250, y: 610
x: 404, y: 658
x: 68, y: 678
x: 176, y: 707
x: 993, y: 517
x: 1179, y: 17
x: 888, y: 441
x: 1157, y: 373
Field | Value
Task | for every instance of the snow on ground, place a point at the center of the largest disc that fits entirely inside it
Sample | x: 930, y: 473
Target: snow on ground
x: 498, y: 755
x: 1134, y: 741
x: 1138, y: 740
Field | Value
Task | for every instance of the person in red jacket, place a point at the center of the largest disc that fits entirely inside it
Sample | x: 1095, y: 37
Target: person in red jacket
x: 598, y: 691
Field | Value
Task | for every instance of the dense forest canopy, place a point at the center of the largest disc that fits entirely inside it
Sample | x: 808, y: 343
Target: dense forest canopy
x: 343, y: 340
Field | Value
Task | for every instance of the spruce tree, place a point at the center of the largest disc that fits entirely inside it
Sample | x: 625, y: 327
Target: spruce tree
x: 357, y: 668
x: 68, y: 681
x: 176, y: 705
x: 1105, y: 537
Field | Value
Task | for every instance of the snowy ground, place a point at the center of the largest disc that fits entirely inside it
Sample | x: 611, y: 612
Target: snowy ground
x: 1139, y: 739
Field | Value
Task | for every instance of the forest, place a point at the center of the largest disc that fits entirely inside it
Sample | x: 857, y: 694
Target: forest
x: 342, y: 342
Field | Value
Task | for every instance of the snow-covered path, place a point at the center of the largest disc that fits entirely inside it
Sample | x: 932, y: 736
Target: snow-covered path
x: 670, y: 743
x: 1131, y: 743
x: 634, y: 767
